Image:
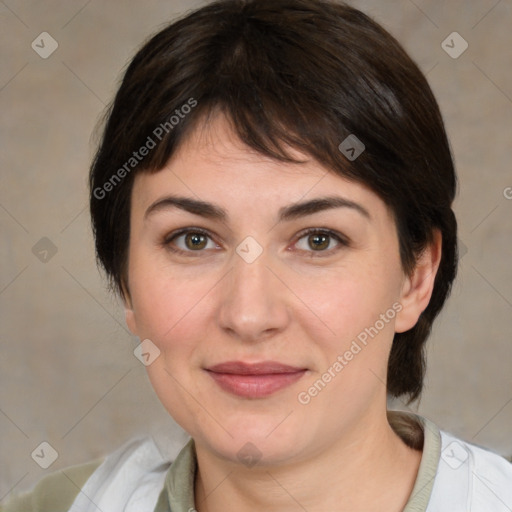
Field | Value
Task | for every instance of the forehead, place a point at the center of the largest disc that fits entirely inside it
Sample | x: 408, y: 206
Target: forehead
x: 213, y: 164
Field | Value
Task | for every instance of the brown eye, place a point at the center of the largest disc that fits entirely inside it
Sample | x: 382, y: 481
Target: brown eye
x: 195, y: 241
x: 318, y: 242
x: 189, y: 241
x: 321, y: 241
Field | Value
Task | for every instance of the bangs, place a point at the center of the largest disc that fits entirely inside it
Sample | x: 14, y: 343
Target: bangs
x: 271, y: 101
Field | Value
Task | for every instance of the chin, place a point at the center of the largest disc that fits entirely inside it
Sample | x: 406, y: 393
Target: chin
x: 263, y: 440
x: 261, y: 452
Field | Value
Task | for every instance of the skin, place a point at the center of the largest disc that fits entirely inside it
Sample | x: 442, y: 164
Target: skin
x: 208, y: 306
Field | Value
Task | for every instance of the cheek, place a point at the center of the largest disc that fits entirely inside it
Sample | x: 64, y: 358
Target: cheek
x: 161, y: 294
x: 345, y: 303
x: 166, y: 307
x: 351, y: 332
x: 173, y: 311
x: 176, y: 311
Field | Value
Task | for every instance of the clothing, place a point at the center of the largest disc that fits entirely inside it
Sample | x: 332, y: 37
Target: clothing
x: 454, y: 476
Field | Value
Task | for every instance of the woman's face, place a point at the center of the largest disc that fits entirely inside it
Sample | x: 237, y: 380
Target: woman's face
x: 255, y: 287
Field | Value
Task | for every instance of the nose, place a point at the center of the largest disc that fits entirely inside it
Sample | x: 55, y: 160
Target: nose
x: 254, y: 302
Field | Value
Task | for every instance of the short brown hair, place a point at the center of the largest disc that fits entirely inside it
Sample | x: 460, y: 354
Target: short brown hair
x: 303, y: 73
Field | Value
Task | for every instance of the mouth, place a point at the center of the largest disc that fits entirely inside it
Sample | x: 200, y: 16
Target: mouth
x: 254, y: 380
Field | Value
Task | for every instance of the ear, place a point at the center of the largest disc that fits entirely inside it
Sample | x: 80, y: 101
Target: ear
x: 129, y: 313
x: 417, y: 288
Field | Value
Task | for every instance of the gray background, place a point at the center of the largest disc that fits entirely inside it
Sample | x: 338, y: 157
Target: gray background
x: 68, y: 374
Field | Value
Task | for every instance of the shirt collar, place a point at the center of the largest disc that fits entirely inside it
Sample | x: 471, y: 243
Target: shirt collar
x: 178, y: 493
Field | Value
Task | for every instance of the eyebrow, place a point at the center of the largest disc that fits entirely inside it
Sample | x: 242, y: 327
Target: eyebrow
x: 286, y: 213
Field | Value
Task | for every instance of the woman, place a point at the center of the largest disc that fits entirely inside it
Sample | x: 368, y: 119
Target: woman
x: 272, y: 201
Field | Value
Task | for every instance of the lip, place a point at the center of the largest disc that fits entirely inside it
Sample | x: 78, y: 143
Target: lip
x: 254, y: 380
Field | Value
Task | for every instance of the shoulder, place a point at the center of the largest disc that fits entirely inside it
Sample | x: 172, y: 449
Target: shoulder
x: 470, y: 477
x: 55, y: 492
x: 132, y: 474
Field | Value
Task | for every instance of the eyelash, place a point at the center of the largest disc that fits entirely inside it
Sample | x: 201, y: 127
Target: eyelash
x: 342, y: 241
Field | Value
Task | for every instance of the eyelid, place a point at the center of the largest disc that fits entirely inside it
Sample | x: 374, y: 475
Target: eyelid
x: 168, y: 239
x: 182, y: 231
x: 342, y: 240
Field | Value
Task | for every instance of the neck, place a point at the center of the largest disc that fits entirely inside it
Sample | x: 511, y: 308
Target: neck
x: 369, y: 468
